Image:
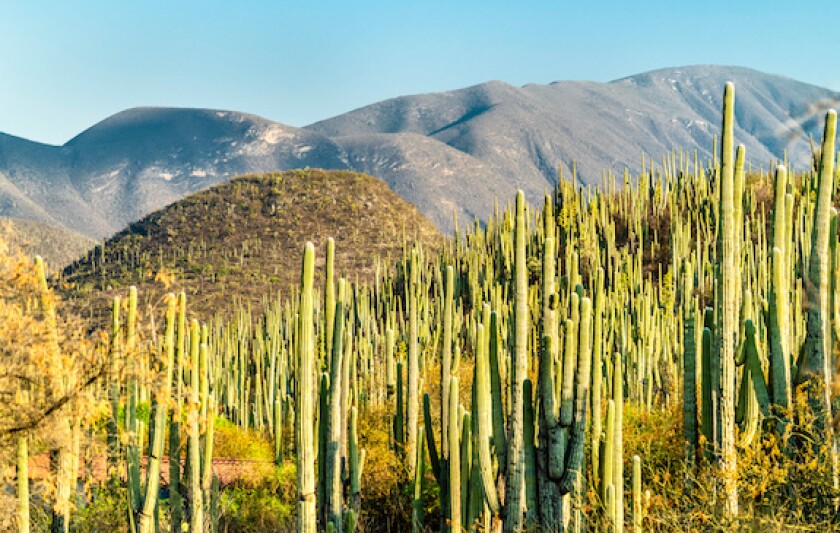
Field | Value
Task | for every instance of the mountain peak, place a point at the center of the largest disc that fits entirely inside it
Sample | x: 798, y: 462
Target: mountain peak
x: 166, y: 121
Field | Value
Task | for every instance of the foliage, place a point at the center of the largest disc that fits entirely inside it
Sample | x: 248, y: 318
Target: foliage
x: 265, y: 506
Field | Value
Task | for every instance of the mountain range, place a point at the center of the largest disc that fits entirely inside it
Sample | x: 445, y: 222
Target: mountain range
x: 451, y: 153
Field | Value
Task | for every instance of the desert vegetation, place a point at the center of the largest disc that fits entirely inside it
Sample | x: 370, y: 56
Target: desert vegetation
x: 656, y: 355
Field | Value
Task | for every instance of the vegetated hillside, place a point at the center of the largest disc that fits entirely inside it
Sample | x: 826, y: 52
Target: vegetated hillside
x: 244, y: 239
x: 449, y: 153
x: 58, y: 246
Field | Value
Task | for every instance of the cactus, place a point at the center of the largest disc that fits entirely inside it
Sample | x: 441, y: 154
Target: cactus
x: 417, y: 510
x: 454, y: 461
x: 618, y: 444
x: 356, y: 461
x: 515, y: 471
x: 22, y: 484
x: 637, y: 494
x: 399, y: 417
x: 132, y: 426
x: 331, y: 462
x: 175, y: 503
x: 778, y: 305
x: 329, y: 296
x: 115, y: 356
x: 194, y: 447
x: 728, y: 304
x: 814, y: 364
x: 307, y: 519
x: 689, y: 369
x: 413, y: 398
x: 146, y: 518
x: 754, y: 394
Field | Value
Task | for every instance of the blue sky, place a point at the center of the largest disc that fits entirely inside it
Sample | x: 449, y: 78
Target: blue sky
x: 66, y: 65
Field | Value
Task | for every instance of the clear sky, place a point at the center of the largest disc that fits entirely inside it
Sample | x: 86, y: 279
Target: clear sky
x: 65, y: 65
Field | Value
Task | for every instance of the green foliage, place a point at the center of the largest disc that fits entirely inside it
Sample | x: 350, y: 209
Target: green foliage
x: 266, y: 506
x: 231, y: 441
x: 105, y: 511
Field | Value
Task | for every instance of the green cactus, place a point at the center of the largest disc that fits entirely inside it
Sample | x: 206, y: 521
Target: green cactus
x: 728, y: 300
x: 356, y: 461
x: 637, y: 494
x: 814, y: 365
x: 413, y: 397
x: 307, y: 519
x: 454, y: 460
x: 194, y: 448
x: 332, y: 415
x: 515, y: 471
x: 689, y: 368
x: 146, y: 518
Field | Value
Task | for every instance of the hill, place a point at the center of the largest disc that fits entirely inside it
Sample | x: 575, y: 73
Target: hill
x: 449, y: 153
x: 58, y: 246
x: 246, y: 236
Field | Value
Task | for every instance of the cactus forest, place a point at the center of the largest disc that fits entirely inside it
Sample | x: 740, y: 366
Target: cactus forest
x: 655, y: 354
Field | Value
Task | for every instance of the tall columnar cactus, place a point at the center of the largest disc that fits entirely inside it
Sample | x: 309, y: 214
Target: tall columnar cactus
x: 208, y: 422
x: 133, y: 427
x: 446, y: 357
x: 413, y: 396
x: 115, y: 355
x: 454, y: 461
x: 146, y: 518
x: 439, y: 462
x: 329, y: 295
x: 332, y: 461
x: 23, y: 484
x: 573, y: 462
x: 689, y: 367
x: 728, y: 291
x: 355, y: 462
x: 779, y: 301
x: 175, y: 501
x: 814, y: 365
x: 637, y: 494
x: 399, y: 416
x: 515, y: 471
x: 307, y: 519
x: 550, y: 500
x: 417, y: 510
x: 194, y: 444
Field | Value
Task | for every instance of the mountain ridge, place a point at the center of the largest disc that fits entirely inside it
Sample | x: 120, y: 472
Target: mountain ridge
x: 450, y: 153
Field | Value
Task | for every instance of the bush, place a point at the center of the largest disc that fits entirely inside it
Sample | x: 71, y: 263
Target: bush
x: 106, y: 511
x: 266, y: 506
